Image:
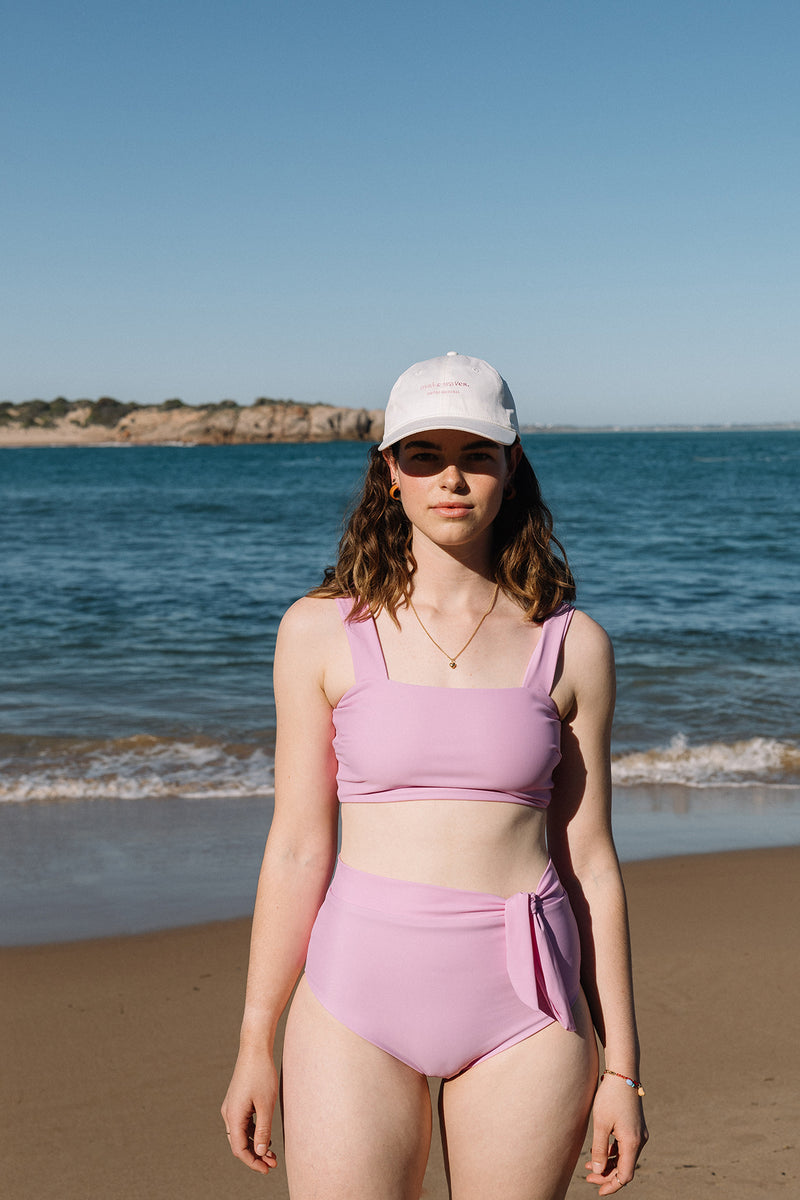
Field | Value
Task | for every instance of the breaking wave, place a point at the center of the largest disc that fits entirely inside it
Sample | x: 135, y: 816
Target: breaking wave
x: 144, y: 766
x: 735, y: 764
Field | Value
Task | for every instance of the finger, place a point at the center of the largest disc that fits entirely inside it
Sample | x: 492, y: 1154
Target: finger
x: 600, y: 1152
x: 607, y: 1185
x: 241, y: 1146
x: 262, y: 1141
x: 611, y: 1186
x: 626, y: 1160
x: 605, y: 1179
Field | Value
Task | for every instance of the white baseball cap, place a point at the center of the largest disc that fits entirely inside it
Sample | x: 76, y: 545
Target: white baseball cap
x: 451, y: 392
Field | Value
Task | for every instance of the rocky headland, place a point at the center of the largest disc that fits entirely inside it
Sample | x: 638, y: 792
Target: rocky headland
x: 107, y: 421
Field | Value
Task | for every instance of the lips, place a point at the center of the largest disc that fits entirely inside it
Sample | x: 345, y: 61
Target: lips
x: 452, y: 510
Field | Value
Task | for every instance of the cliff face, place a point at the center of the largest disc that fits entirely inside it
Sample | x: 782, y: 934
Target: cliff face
x: 76, y: 423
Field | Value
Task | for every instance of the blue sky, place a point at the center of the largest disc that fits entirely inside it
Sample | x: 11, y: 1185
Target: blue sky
x: 213, y: 200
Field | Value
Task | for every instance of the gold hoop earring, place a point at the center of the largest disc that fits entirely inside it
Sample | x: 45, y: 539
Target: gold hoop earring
x: 394, y: 492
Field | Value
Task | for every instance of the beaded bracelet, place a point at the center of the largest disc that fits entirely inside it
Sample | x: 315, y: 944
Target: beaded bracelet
x: 634, y: 1083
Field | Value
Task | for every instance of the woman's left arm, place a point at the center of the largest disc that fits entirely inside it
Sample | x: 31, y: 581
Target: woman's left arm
x: 582, y: 847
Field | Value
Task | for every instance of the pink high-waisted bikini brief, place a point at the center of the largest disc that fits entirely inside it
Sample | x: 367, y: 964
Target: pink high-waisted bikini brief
x: 439, y: 977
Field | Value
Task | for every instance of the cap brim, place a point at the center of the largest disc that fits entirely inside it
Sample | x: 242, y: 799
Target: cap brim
x: 495, y: 433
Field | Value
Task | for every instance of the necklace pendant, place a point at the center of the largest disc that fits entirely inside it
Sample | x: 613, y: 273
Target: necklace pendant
x: 453, y: 664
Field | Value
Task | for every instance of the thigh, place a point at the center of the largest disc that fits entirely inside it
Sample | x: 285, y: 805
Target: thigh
x: 514, y: 1124
x: 357, y: 1122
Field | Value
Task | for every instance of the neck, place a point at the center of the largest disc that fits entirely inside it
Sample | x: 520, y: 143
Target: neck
x: 453, y: 576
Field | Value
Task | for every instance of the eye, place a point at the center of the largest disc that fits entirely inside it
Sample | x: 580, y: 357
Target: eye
x: 480, y: 457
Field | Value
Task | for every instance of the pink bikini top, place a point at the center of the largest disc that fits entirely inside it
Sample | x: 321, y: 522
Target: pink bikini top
x: 407, y: 741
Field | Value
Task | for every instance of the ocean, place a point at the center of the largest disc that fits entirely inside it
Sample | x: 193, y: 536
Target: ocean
x: 140, y: 593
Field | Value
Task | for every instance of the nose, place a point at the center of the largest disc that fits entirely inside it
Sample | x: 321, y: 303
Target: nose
x: 453, y: 478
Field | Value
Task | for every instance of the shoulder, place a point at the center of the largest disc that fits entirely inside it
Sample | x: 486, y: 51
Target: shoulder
x: 310, y: 616
x: 588, y: 657
x: 312, y: 655
x: 588, y: 637
x: 308, y: 629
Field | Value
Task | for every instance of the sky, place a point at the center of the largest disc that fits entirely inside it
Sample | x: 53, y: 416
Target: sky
x: 213, y: 200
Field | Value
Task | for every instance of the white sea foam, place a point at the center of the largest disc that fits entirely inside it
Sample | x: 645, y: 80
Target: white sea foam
x: 132, y: 768
x: 736, y: 764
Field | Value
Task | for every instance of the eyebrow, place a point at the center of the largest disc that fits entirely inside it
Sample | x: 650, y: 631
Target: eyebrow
x: 480, y: 444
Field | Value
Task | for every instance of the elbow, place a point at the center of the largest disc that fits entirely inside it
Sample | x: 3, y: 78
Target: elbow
x: 310, y: 855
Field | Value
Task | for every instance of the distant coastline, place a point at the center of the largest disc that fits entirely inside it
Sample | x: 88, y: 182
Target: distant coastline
x: 108, y: 421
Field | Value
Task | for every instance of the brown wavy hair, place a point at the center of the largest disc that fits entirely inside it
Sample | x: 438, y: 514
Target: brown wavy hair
x: 376, y: 564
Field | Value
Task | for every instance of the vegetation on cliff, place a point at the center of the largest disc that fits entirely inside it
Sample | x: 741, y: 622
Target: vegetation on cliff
x: 63, y: 421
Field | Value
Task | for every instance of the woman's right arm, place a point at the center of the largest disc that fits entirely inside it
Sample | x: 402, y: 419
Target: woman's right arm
x: 297, y: 867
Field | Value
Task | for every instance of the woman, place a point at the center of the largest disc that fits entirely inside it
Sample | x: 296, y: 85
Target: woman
x: 472, y: 787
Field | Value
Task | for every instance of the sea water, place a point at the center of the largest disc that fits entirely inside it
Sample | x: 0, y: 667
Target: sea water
x: 140, y: 593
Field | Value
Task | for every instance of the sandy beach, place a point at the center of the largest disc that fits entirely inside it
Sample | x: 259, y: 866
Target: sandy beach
x: 117, y: 1052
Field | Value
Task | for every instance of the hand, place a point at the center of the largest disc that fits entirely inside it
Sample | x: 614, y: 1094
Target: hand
x: 619, y: 1135
x: 247, y: 1112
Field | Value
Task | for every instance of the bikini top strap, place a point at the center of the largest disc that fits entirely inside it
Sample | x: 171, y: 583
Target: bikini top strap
x: 365, y: 645
x: 544, y: 660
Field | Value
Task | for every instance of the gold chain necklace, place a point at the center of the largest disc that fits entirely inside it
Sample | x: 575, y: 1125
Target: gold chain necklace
x: 453, y: 660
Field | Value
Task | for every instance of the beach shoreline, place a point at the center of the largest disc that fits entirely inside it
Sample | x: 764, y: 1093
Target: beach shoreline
x: 80, y: 869
x: 118, y: 1051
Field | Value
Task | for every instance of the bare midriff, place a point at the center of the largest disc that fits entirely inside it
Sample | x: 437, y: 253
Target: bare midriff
x: 475, y: 845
